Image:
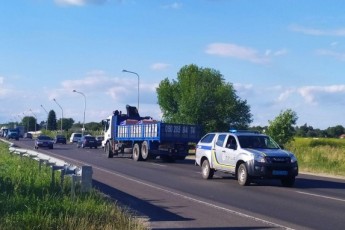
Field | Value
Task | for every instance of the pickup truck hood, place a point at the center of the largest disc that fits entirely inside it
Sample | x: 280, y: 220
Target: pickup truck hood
x: 270, y: 152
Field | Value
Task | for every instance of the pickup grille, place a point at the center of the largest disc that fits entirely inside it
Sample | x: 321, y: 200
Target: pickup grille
x: 278, y: 160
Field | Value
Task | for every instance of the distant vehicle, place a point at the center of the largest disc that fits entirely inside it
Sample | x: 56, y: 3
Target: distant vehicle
x: 99, y: 140
x: 146, y: 137
x: 87, y: 141
x: 28, y: 135
x: 246, y: 155
x: 60, y: 139
x: 20, y: 129
x: 44, y: 141
x: 75, y: 137
x: 13, y: 134
x: 3, y: 131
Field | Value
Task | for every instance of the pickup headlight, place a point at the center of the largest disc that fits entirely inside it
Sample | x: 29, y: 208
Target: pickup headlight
x: 293, y: 159
x: 259, y: 158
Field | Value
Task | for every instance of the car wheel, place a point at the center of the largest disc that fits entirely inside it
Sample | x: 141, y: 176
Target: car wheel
x: 242, y: 175
x: 206, y: 171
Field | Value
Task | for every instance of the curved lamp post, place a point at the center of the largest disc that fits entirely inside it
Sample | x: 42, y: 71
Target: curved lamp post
x: 61, y: 112
x: 47, y: 116
x: 127, y: 71
x: 75, y: 91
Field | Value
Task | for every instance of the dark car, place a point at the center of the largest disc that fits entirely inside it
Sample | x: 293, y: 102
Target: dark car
x: 60, y: 139
x: 99, y: 140
x: 87, y: 141
x: 12, y: 134
x: 44, y: 141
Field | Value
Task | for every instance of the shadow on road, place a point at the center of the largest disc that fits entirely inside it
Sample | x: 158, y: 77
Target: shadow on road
x: 142, y: 208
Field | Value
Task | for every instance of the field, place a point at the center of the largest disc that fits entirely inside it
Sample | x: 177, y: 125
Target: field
x: 321, y: 155
x: 28, y: 200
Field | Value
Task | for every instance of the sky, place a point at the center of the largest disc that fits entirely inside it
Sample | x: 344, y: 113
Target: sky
x: 278, y: 54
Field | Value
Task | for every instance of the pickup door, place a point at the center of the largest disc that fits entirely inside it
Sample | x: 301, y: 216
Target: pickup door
x: 225, y: 153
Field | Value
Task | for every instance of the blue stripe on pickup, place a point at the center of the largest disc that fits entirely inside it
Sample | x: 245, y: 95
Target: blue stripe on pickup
x: 204, y: 147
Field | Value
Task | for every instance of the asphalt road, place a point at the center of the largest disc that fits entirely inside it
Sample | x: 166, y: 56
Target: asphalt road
x: 174, y: 195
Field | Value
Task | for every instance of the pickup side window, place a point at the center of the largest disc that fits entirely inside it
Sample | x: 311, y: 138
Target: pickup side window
x: 220, y: 140
x: 208, y: 138
x: 231, y: 143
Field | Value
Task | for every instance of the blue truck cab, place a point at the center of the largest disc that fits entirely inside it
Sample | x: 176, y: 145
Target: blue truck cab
x: 146, y: 137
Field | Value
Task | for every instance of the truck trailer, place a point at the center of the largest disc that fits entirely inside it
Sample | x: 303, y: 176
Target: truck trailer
x: 147, y: 138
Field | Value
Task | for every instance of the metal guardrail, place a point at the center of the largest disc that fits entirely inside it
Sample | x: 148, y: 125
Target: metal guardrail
x: 78, y: 174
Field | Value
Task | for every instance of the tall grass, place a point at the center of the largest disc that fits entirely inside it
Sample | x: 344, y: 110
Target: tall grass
x: 28, y: 200
x: 322, y: 155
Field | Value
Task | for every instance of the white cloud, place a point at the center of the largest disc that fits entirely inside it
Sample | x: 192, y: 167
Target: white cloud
x: 79, y: 2
x: 338, y: 55
x: 311, y: 93
x: 159, y: 66
x: 236, y: 51
x: 174, y: 5
x: 318, y: 32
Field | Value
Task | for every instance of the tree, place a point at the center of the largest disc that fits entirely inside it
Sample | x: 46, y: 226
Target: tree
x: 52, y: 125
x: 335, y: 131
x: 201, y: 96
x: 29, y: 123
x: 281, y: 128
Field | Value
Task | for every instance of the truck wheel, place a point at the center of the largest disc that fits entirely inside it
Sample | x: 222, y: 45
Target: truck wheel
x: 108, y: 152
x: 242, y: 175
x: 206, y: 171
x: 136, y: 152
x: 144, y: 150
x: 288, y: 181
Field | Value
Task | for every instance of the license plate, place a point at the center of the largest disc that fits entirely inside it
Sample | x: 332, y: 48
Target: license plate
x: 279, y: 173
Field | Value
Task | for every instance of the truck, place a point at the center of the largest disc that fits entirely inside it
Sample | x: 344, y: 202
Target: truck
x: 247, y: 155
x: 20, y: 129
x: 147, y: 138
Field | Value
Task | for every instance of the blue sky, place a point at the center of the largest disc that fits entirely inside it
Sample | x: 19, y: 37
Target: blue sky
x: 278, y: 54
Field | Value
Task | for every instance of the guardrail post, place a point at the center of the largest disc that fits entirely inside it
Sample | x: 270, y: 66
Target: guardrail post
x: 86, y: 178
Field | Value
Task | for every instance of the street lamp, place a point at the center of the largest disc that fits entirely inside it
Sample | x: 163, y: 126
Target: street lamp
x: 127, y: 71
x: 27, y: 122
x: 35, y: 120
x: 61, y: 112
x: 75, y: 91
x: 47, y: 116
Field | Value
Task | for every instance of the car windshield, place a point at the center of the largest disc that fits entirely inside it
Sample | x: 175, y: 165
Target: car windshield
x: 43, y: 138
x: 77, y: 135
x: 89, y: 138
x: 257, y: 142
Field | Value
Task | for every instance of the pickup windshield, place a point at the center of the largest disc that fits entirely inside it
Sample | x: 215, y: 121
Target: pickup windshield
x: 257, y: 142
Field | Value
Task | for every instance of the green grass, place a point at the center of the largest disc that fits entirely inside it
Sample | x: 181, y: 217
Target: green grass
x: 321, y: 155
x: 28, y: 200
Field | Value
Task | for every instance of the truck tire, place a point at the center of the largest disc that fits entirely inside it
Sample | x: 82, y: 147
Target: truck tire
x: 108, y: 152
x: 242, y: 175
x: 136, y: 152
x: 145, y: 150
x: 288, y: 181
x: 206, y: 171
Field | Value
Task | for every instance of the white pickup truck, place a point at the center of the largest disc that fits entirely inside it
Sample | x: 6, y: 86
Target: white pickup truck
x: 246, y: 155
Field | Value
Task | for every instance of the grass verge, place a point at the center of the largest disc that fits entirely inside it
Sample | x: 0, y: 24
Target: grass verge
x: 322, y: 155
x: 28, y: 200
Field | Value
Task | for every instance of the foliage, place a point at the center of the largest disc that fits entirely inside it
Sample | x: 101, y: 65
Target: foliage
x: 28, y: 200
x: 29, y: 123
x: 52, y: 120
x: 321, y: 155
x: 201, y: 96
x: 281, y: 128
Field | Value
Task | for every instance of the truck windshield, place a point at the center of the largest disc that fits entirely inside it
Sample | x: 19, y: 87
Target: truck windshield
x: 257, y: 142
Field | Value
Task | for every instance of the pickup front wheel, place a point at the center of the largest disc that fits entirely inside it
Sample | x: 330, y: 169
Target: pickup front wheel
x: 206, y: 171
x: 242, y: 175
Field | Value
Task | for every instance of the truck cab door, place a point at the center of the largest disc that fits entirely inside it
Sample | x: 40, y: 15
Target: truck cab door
x: 222, y: 153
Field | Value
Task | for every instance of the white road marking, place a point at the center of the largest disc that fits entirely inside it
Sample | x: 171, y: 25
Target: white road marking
x: 321, y: 196
x: 196, y: 200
